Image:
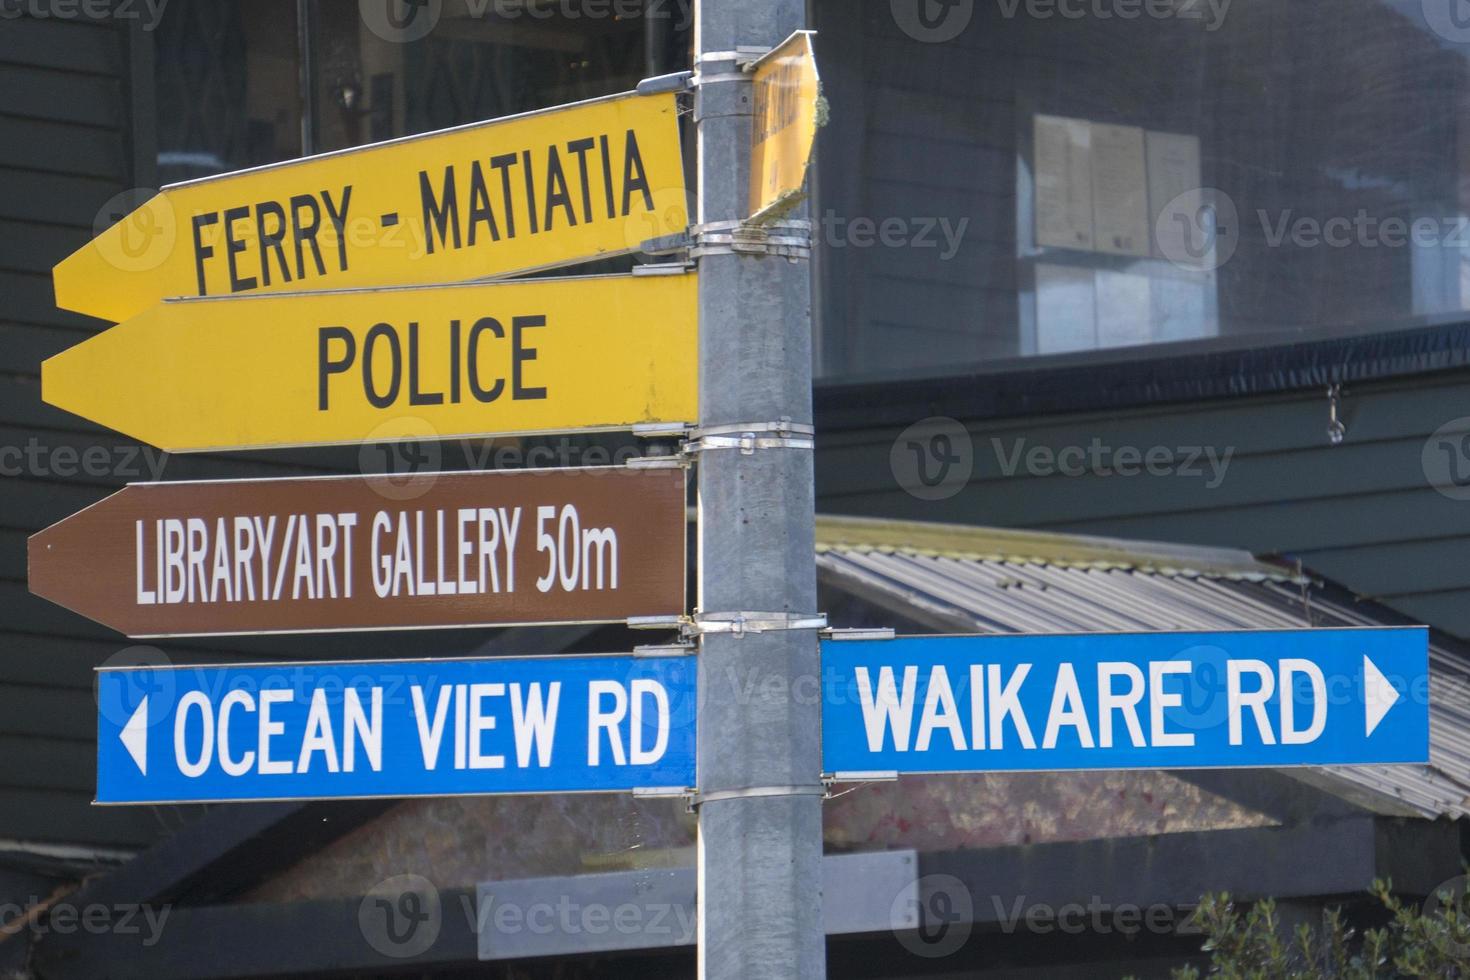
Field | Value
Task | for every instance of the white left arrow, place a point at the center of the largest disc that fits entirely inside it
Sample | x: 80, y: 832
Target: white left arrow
x: 134, y: 736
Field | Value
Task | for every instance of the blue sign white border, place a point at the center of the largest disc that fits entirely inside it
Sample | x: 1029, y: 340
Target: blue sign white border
x: 648, y: 653
x: 877, y: 636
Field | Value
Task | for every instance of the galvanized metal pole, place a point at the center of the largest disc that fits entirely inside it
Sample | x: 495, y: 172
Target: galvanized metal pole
x: 760, y: 803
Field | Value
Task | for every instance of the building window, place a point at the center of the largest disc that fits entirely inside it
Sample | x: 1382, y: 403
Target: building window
x: 1018, y: 179
x: 242, y: 83
x: 227, y: 85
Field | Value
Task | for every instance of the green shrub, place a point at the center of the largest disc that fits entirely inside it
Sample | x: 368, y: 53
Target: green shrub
x: 1429, y: 941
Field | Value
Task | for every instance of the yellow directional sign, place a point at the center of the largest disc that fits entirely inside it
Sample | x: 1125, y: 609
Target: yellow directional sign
x: 529, y: 356
x: 518, y: 194
x: 787, y: 114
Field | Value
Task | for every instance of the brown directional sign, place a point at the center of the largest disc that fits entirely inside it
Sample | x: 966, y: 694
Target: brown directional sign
x: 370, y: 553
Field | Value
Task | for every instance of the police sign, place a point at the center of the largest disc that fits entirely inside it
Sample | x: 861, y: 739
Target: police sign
x: 512, y: 358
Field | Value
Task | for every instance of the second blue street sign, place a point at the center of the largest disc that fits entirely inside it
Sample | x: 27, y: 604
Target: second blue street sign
x: 1121, y: 701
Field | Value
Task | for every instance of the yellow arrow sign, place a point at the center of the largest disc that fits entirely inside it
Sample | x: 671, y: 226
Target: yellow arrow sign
x: 788, y: 112
x: 518, y: 194
x: 530, y: 356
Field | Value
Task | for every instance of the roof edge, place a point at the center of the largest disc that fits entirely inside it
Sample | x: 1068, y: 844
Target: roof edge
x: 964, y: 542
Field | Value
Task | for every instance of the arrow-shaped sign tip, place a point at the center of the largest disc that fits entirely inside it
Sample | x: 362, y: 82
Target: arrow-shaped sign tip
x: 1379, y: 694
x: 134, y: 736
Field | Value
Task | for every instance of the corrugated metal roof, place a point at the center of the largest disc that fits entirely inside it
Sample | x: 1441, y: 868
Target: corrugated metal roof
x: 975, y: 580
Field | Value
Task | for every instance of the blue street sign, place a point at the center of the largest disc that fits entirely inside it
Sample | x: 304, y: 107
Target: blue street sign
x: 1125, y: 701
x: 396, y: 728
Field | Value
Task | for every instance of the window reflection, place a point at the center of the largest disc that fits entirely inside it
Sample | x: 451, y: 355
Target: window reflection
x: 1225, y: 174
x: 227, y: 87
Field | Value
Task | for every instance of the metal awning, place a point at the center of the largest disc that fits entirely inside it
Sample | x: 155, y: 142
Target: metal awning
x: 955, y: 579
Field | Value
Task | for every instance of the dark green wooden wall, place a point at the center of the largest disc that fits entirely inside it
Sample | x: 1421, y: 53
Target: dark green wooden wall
x: 1363, y: 513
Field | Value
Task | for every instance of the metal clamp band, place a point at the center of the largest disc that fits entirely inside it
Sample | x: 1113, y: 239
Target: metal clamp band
x: 720, y: 78
x: 792, y: 225
x: 739, y: 623
x: 787, y: 238
x: 750, y: 436
x: 755, y: 793
x: 745, y: 54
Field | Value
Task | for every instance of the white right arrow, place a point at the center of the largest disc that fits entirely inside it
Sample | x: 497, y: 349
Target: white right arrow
x: 134, y: 736
x: 1378, y: 694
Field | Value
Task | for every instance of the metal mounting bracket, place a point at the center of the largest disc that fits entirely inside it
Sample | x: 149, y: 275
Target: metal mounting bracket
x: 697, y: 800
x: 668, y: 651
x: 664, y: 269
x: 836, y: 635
x: 664, y: 793
x: 859, y: 777
x: 657, y: 463
x: 657, y: 623
x: 679, y: 81
x: 788, y: 238
x: 747, y: 437
x: 739, y: 623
